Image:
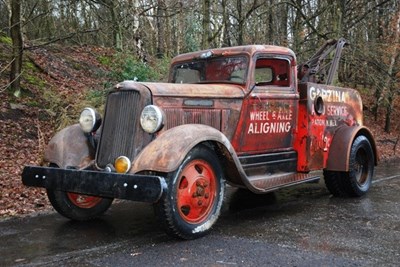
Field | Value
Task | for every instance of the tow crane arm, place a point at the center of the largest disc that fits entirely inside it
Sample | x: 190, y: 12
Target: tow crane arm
x: 322, y: 65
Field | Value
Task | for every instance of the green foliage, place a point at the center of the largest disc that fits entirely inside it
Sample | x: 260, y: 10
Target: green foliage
x: 96, y: 94
x: 32, y: 80
x: 191, y: 32
x: 53, y: 99
x: 5, y: 39
x: 105, y: 60
x: 29, y: 66
x: 130, y: 68
x: 56, y: 107
x: 126, y: 67
x: 96, y: 98
x: 29, y: 76
x: 33, y: 103
x: 161, y: 68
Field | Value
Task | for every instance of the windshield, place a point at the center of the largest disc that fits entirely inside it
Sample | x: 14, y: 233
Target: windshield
x: 218, y: 69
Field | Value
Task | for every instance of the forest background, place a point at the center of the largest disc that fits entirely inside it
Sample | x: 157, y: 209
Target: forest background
x: 57, y: 56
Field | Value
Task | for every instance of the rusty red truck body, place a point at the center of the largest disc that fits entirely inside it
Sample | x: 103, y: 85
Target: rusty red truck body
x: 243, y: 116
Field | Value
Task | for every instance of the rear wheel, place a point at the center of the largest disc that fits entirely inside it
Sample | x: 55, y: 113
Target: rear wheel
x: 77, y: 206
x: 194, y: 198
x: 357, y: 181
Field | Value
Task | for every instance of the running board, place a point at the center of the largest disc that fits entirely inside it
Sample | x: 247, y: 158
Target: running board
x: 267, y: 183
x: 280, y: 162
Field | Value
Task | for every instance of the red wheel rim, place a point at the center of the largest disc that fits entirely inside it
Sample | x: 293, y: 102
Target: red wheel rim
x: 196, y: 191
x: 83, y: 201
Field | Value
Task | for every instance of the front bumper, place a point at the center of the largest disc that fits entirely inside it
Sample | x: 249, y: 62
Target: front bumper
x: 144, y: 188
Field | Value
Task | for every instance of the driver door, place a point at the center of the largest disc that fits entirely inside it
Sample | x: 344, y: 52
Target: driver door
x: 270, y: 110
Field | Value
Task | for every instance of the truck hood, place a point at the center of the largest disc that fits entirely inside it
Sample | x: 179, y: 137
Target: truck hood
x: 187, y: 90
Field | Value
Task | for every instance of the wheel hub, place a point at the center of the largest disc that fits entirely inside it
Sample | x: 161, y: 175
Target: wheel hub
x: 83, y: 201
x: 195, y: 194
x: 201, y: 192
x: 360, y: 168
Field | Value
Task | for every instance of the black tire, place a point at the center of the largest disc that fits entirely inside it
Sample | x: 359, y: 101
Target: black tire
x: 357, y: 181
x: 76, y: 206
x: 193, y: 201
x: 333, y: 181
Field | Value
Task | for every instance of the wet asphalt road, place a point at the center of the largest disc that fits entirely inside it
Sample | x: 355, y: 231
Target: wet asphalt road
x: 300, y: 226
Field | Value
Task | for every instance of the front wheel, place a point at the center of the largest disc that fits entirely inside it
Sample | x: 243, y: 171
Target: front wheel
x: 77, y: 206
x: 195, y: 194
x: 357, y: 181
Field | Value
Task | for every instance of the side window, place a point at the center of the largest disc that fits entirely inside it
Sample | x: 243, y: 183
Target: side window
x: 263, y: 75
x: 272, y: 71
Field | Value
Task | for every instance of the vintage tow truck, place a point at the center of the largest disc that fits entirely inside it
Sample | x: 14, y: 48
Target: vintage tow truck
x: 247, y: 116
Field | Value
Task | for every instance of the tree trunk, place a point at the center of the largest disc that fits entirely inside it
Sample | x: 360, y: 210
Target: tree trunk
x: 226, y: 41
x: 377, y: 102
x: 391, y: 85
x: 270, y: 29
x: 297, y: 27
x: 205, y: 40
x: 283, y: 26
x: 389, y: 109
x: 240, y: 23
x: 116, y: 27
x: 160, y: 22
x: 16, y: 36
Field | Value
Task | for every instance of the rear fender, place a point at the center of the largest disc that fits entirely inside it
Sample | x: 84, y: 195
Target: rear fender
x: 69, y: 147
x: 167, y: 151
x: 339, y: 151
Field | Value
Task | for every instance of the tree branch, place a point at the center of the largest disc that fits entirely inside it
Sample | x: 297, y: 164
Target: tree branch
x: 61, y: 38
x: 362, y: 17
x: 307, y: 20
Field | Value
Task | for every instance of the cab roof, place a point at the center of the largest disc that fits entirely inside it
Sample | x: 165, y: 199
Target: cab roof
x: 236, y: 50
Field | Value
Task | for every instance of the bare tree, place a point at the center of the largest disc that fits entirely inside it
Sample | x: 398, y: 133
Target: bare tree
x: 16, y: 36
x: 206, y: 21
x: 393, y: 70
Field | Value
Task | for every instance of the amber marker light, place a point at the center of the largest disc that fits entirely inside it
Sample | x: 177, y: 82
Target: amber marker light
x: 122, y: 164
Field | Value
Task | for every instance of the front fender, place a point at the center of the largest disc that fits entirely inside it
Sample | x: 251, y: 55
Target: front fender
x: 166, y: 152
x: 339, y: 151
x: 69, y: 147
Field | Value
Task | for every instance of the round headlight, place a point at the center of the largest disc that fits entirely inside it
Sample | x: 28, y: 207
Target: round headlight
x: 122, y: 164
x: 89, y: 120
x: 151, y: 119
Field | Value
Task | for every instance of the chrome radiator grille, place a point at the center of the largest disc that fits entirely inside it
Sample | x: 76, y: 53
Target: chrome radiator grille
x: 121, y: 133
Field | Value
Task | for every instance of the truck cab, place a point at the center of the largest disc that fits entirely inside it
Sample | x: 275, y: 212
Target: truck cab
x: 238, y: 116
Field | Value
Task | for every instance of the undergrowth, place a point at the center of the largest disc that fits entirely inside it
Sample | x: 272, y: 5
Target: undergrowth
x: 64, y: 101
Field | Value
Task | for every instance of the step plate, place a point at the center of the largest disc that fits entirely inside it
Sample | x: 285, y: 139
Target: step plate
x: 262, y: 184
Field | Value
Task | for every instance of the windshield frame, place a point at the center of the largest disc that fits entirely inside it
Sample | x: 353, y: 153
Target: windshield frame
x: 215, y: 69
